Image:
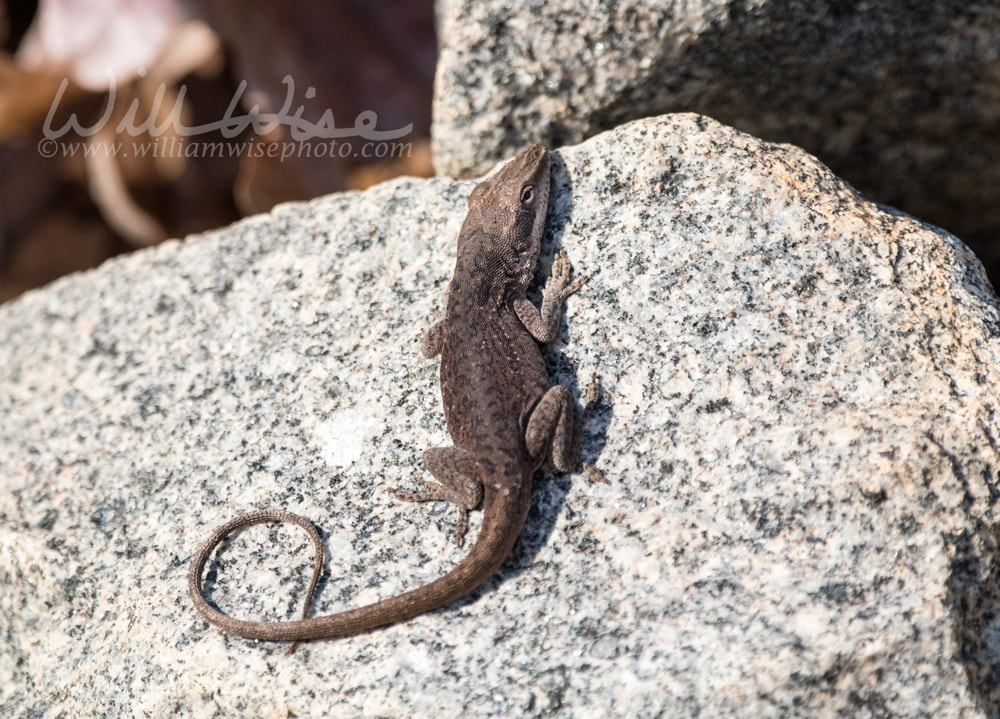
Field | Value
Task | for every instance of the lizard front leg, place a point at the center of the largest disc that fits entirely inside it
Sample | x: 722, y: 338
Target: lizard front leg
x: 433, y: 341
x: 457, y: 475
x: 544, y: 325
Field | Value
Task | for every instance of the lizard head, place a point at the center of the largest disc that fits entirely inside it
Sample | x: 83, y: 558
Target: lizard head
x: 506, y: 217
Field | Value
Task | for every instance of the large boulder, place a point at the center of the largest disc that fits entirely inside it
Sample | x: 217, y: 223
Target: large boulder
x: 898, y: 97
x: 799, y: 427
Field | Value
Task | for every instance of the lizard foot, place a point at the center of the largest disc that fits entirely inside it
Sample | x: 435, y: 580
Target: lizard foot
x: 560, y: 275
x: 590, y: 400
x: 434, y: 492
x: 593, y: 392
x: 594, y: 474
x: 431, y: 491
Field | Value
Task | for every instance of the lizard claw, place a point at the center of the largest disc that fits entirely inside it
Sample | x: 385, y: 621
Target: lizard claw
x: 561, y: 268
x: 573, y: 287
x: 427, y: 495
x: 594, y: 474
x: 591, y: 396
x: 432, y: 491
x: 462, y: 526
x: 593, y: 390
x: 560, y: 275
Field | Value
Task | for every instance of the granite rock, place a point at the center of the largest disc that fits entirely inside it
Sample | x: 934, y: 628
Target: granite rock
x: 898, y: 97
x: 799, y: 426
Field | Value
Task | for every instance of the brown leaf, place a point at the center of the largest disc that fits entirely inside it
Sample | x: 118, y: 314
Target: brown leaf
x: 356, y: 56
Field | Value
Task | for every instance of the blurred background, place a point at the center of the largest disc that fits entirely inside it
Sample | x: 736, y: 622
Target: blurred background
x: 898, y: 98
x: 69, y: 202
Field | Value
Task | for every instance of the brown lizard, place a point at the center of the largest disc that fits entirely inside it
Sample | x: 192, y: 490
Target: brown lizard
x: 502, y: 415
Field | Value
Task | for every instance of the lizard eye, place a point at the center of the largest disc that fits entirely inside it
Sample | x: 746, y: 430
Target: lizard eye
x: 527, y: 194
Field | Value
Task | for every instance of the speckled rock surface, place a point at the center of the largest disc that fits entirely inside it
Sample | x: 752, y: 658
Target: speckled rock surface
x: 898, y: 97
x: 799, y: 428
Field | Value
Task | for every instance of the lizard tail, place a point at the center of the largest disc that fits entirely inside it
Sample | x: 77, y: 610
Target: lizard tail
x: 494, y: 543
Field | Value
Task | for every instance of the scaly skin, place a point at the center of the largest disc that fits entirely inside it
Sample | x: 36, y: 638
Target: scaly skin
x: 502, y: 415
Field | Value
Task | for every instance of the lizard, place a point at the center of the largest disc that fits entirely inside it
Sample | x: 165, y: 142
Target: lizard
x: 501, y: 413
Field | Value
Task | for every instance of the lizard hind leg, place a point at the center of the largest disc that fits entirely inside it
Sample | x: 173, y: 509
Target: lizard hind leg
x: 457, y: 475
x: 550, y: 429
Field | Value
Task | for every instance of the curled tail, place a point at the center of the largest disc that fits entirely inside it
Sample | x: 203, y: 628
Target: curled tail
x: 502, y: 522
